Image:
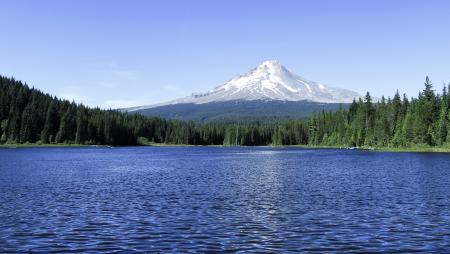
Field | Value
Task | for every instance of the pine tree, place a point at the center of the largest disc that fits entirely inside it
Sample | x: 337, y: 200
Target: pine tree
x: 396, y: 111
x: 277, y: 138
x: 51, y: 123
x: 407, y: 132
x: 442, y: 124
x: 82, y: 125
x: 67, y: 127
x: 424, y: 115
x: 26, y: 129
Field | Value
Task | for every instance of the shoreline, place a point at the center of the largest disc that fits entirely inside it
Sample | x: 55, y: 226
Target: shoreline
x: 418, y: 149
x: 29, y: 145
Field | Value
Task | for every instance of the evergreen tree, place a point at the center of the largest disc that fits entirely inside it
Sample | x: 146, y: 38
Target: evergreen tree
x: 82, y: 125
x: 442, y: 124
x: 51, y: 123
x: 67, y: 127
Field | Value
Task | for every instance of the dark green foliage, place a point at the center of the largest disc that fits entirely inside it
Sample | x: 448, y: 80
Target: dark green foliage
x: 52, y: 120
x: 388, y: 123
x: 67, y: 127
x: 249, y: 112
x: 28, y: 115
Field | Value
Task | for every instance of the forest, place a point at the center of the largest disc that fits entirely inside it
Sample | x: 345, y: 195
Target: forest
x: 29, y: 116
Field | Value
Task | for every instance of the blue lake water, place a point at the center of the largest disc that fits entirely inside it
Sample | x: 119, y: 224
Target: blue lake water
x: 212, y: 199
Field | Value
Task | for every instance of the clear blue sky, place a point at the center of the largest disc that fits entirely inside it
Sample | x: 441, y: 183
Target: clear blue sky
x: 126, y: 53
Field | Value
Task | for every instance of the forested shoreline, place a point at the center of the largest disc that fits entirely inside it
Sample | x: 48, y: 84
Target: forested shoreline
x: 28, y: 115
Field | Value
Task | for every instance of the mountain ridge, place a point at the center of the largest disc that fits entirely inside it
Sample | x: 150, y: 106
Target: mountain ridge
x: 268, y: 81
x: 240, y: 111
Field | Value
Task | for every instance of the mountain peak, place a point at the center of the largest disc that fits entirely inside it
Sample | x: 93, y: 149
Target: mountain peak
x: 273, y: 64
x: 270, y: 81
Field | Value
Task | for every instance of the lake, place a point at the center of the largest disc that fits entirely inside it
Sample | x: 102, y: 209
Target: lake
x: 214, y: 199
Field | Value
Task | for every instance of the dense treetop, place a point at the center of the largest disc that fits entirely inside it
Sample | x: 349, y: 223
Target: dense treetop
x: 28, y: 115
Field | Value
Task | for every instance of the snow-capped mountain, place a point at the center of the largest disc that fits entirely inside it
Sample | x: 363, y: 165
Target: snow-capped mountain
x: 269, y: 81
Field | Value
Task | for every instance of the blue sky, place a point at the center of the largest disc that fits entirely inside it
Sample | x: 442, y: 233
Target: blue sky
x: 127, y: 53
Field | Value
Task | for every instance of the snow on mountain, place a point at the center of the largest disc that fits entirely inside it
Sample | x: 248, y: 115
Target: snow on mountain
x: 269, y: 81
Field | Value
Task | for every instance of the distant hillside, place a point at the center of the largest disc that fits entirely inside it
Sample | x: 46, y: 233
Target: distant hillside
x: 266, y: 94
x: 263, y: 111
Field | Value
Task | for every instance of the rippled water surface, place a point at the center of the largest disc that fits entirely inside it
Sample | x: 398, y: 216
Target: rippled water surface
x: 211, y: 199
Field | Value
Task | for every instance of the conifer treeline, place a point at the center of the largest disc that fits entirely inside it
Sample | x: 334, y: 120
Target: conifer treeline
x: 396, y: 122
x: 28, y: 116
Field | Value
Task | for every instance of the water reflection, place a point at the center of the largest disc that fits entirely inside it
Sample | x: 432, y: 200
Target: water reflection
x: 222, y: 199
